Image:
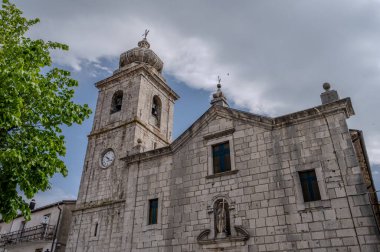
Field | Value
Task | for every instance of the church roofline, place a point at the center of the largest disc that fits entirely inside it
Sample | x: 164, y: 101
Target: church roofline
x: 363, y: 146
x: 51, y: 205
x: 135, y: 70
x: 148, y: 154
x: 264, y: 121
x: 342, y: 104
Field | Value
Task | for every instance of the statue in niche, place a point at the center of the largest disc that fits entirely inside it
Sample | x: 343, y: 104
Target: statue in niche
x: 220, y: 232
x: 222, y: 219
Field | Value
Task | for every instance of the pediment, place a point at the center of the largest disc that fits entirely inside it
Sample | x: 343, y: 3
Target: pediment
x: 265, y: 122
x: 260, y: 121
x: 237, y: 240
x: 215, y: 112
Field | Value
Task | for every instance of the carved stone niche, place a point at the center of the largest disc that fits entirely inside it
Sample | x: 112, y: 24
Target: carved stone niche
x: 223, y: 233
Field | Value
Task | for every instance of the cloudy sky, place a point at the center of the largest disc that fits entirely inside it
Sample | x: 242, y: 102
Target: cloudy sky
x: 272, y: 56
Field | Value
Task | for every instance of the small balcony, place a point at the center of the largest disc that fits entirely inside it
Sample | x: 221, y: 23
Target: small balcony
x: 40, y: 232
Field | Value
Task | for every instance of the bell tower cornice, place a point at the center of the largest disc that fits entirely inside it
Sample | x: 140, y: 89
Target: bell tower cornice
x: 135, y: 120
x: 140, y: 69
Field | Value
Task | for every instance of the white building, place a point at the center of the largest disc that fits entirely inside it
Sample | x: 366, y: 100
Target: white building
x: 46, y: 231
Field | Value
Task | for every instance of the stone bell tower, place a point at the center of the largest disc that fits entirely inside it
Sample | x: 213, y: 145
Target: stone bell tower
x: 134, y: 113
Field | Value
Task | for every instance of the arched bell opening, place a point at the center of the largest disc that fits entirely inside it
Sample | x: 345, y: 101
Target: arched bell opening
x: 156, y: 110
x: 117, y: 101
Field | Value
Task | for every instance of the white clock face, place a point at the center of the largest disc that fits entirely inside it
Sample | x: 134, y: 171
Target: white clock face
x: 107, y: 159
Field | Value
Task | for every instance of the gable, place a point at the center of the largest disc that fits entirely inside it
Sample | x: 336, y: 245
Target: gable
x: 218, y: 119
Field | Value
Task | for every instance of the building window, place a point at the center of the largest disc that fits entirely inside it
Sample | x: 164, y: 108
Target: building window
x: 221, y: 157
x: 309, y: 185
x: 220, y: 154
x: 96, y: 229
x: 156, y: 110
x: 45, y: 219
x: 117, y: 100
x: 153, y: 211
x: 38, y: 250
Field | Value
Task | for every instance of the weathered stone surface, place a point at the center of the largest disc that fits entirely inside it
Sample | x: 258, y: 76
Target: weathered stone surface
x: 263, y: 189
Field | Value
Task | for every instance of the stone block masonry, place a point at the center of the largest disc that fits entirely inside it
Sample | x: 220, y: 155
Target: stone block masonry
x: 233, y: 181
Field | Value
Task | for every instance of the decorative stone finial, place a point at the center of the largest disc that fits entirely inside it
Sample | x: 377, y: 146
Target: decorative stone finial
x: 137, y: 148
x: 329, y: 95
x: 218, y: 96
x: 144, y: 44
x: 326, y: 86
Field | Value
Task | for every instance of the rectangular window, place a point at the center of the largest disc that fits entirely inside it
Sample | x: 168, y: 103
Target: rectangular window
x: 38, y: 250
x: 221, y: 157
x: 153, y: 211
x: 309, y: 184
x: 45, y: 219
x: 96, y: 229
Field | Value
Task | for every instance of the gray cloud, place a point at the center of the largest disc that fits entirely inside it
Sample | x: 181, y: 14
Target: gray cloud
x: 278, y: 53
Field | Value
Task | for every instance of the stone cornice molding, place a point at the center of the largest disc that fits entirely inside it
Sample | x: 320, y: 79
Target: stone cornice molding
x: 140, y: 69
x: 343, y: 105
x: 97, y: 204
x: 206, y: 242
x: 144, y: 156
x: 219, y: 134
x: 135, y: 120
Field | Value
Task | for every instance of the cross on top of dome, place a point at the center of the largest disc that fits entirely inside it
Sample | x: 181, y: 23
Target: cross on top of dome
x: 144, y: 42
x: 218, y: 96
x: 142, y: 54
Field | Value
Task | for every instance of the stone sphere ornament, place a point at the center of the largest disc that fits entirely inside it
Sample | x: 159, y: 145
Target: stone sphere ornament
x: 326, y: 86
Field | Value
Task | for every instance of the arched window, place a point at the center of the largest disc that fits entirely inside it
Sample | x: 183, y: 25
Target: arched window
x: 222, y: 218
x: 117, y: 100
x: 156, y: 110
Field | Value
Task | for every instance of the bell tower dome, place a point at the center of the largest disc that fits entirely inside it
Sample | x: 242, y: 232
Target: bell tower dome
x: 141, y: 54
x: 138, y: 94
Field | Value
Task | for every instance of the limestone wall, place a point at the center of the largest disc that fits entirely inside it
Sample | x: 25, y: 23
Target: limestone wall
x: 265, y: 191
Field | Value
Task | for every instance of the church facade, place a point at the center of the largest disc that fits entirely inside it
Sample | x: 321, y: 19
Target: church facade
x: 233, y: 181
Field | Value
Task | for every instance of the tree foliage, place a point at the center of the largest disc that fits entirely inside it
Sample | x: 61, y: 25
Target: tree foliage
x: 35, y: 102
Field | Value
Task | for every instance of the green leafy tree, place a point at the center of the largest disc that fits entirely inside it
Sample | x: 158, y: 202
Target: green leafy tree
x: 35, y: 102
